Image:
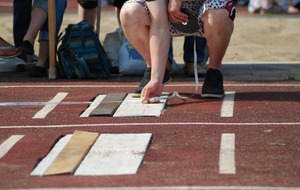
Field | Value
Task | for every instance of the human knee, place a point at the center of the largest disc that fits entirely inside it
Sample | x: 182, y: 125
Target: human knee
x: 125, y: 15
x: 217, y: 16
x: 218, y: 20
x: 132, y: 14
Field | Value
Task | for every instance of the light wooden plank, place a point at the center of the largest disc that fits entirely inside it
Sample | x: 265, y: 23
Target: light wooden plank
x: 133, y: 107
x: 44, y: 164
x: 73, y: 153
x: 115, y: 154
x: 109, y: 104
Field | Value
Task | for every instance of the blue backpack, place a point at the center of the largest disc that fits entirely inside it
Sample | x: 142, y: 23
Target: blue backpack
x: 80, y: 53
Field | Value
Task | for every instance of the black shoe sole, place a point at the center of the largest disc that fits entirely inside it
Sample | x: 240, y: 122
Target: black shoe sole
x: 212, y: 95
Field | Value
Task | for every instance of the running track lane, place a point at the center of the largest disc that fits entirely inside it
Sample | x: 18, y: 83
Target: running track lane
x: 262, y: 138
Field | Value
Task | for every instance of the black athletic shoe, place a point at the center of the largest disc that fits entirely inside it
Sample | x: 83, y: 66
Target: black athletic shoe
x: 38, y: 72
x: 26, y: 48
x: 146, y: 78
x: 213, y: 84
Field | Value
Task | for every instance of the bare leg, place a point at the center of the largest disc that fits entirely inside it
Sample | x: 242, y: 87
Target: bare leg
x: 159, y: 39
x: 135, y: 23
x: 150, y: 35
x: 38, y: 18
x: 218, y: 28
x: 87, y: 14
x: 43, y: 53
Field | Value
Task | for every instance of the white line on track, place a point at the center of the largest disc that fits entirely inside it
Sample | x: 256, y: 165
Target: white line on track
x: 49, y: 107
x: 146, y: 124
x: 9, y: 143
x: 227, y: 156
x: 3, y: 104
x: 39, y: 103
x: 227, y: 105
x: 179, y: 188
x: 130, y: 86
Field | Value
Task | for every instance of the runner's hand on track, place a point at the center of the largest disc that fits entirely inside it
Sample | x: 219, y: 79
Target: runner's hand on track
x: 151, y: 92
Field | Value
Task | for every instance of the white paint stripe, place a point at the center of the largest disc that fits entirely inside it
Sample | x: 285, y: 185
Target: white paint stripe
x: 130, y: 86
x: 8, y: 144
x: 227, y: 157
x: 93, y: 106
x: 39, y: 103
x: 2, y: 104
x: 41, y: 168
x: 227, y: 105
x: 115, y: 154
x: 178, y: 188
x: 48, y: 108
x: 200, y: 124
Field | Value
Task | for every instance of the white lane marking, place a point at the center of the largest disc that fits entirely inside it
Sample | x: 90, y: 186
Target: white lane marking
x: 130, y: 86
x: 41, y: 168
x: 228, y: 104
x: 227, y: 155
x: 145, y: 124
x: 115, y: 154
x: 39, y: 103
x: 9, y: 143
x: 93, y: 105
x: 49, y: 107
x: 179, y: 188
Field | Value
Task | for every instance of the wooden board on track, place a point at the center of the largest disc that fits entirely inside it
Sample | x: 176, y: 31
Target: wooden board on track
x: 73, y: 153
x: 109, y: 104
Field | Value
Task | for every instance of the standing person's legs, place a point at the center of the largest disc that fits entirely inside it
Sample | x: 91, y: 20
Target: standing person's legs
x: 201, y: 55
x: 60, y: 7
x: 21, y: 19
x: 40, y: 70
x: 39, y: 16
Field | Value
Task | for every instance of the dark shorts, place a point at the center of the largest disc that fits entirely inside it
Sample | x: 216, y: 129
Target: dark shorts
x: 88, y: 4
x: 119, y: 3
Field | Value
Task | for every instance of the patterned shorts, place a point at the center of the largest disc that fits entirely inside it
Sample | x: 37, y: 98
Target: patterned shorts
x: 198, y: 7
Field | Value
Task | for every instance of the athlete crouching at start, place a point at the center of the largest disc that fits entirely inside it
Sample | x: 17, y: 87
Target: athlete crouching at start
x: 146, y: 24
